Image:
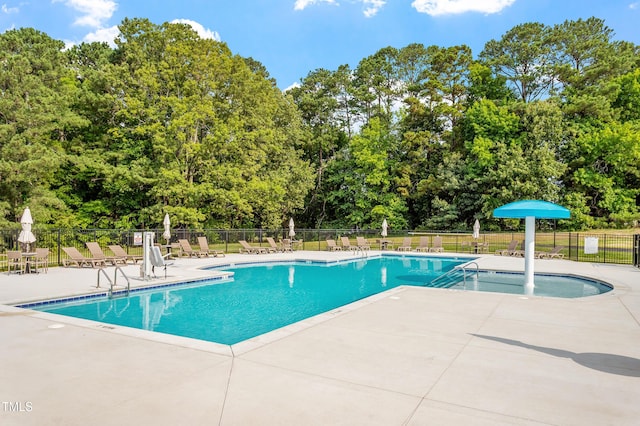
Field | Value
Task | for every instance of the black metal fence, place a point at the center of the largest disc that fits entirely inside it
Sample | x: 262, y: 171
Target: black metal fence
x: 578, y: 246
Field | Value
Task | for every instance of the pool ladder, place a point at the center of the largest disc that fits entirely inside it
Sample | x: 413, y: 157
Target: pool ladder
x: 452, y: 277
x: 113, y: 283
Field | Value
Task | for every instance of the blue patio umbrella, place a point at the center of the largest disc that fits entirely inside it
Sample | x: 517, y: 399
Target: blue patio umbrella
x: 531, y: 210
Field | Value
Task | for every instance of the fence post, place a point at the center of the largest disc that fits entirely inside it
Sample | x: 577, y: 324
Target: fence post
x: 636, y: 250
x: 570, y: 245
x: 59, y: 244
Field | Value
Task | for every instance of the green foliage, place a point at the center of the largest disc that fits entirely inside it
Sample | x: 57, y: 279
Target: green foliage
x: 606, y: 172
x: 627, y: 96
x: 37, y: 117
x: 483, y: 84
x: 365, y: 194
x: 523, y: 57
x: 167, y: 122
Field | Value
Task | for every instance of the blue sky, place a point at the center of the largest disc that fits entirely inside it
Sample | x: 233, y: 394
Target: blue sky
x: 293, y: 37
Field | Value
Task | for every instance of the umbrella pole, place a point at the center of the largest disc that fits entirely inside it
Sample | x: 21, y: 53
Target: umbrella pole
x: 529, y: 248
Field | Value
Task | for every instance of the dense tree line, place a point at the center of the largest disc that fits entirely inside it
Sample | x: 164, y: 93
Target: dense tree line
x: 164, y: 122
x: 426, y: 137
x: 430, y: 137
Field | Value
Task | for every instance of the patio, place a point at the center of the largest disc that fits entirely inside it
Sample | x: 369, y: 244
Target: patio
x: 411, y: 355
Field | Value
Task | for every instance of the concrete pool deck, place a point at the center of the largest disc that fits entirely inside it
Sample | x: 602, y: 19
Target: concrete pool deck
x: 409, y: 356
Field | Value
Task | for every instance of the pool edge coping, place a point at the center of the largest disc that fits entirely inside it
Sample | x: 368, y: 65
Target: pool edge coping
x: 277, y: 334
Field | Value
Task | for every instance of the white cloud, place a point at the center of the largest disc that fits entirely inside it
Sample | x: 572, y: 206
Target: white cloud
x: 373, y: 7
x: 103, y: 35
x: 292, y: 86
x: 631, y: 6
x: 93, y: 12
x: 197, y: 27
x: 450, y: 7
x: 6, y: 9
x: 302, y: 4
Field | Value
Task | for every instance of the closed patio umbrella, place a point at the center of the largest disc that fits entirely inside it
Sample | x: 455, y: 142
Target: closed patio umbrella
x: 476, y: 230
x: 167, y: 227
x: 384, y: 228
x: 26, y: 236
x: 292, y: 231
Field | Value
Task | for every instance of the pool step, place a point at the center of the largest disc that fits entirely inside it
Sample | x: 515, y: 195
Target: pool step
x: 453, y: 277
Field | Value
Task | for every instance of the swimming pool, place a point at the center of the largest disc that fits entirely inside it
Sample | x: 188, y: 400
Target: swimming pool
x: 260, y: 297
x: 549, y: 285
x: 264, y: 297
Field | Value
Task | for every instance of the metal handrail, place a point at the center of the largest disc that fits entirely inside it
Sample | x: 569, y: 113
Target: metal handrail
x: 115, y: 278
x: 446, y: 276
x: 464, y: 268
x: 105, y: 275
x: 113, y: 283
x: 456, y: 270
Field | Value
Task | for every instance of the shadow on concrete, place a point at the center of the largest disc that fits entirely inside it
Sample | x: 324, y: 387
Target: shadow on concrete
x: 608, y: 363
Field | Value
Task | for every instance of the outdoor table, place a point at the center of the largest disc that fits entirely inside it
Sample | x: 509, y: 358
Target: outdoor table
x: 28, y: 256
x: 383, y: 243
x: 480, y: 247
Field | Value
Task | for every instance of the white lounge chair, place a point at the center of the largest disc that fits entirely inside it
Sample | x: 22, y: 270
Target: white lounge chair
x: 406, y: 244
x: 332, y: 246
x: 511, y: 248
x: 79, y: 259
x: 423, y: 245
x: 273, y: 246
x: 362, y: 243
x: 346, y: 244
x: 437, y: 245
x: 246, y: 248
x: 187, y: 250
x: 118, y: 251
x: 206, y: 251
x: 97, y: 253
x: 553, y: 254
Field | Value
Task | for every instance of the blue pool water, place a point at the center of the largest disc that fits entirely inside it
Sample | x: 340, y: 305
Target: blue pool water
x: 263, y: 297
x: 550, y: 285
x: 259, y: 298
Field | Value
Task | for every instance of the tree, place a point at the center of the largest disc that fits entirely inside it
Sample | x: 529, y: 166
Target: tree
x: 36, y: 120
x: 446, y: 84
x: 219, y: 139
x: 412, y: 63
x: 362, y: 181
x: 585, y: 55
x: 626, y: 100
x: 376, y: 84
x: 319, y: 101
x: 523, y: 57
x: 484, y: 85
x: 586, y: 61
x: 605, y: 173
x: 512, y: 154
